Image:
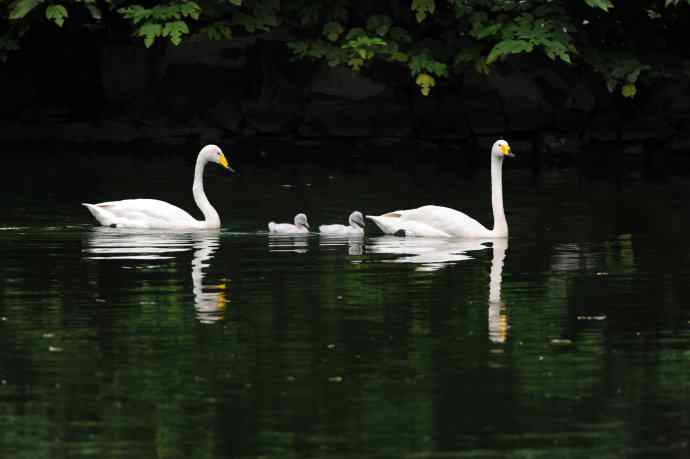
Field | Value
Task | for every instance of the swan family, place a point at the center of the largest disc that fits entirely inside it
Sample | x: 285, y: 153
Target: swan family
x: 425, y: 221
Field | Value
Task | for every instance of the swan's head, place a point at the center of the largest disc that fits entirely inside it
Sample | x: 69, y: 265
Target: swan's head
x: 501, y: 149
x: 213, y: 154
x: 301, y: 220
x: 356, y: 219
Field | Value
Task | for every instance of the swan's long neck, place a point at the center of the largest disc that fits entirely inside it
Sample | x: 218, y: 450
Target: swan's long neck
x: 500, y: 224
x: 211, y: 218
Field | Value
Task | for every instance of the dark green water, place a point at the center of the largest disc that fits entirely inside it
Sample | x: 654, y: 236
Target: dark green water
x: 570, y: 340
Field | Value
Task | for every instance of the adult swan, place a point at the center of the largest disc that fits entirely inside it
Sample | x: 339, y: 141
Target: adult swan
x: 437, y: 221
x: 155, y: 214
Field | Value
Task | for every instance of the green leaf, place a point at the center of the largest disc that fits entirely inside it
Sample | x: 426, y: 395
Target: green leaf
x: 601, y: 4
x: 299, y: 48
x: 355, y: 63
x: 189, y: 9
x: 505, y: 47
x: 218, y: 31
x: 611, y: 84
x: 425, y: 83
x: 379, y: 24
x: 400, y: 57
x: 400, y: 35
x: 135, y: 13
x: 21, y: 8
x: 175, y: 30
x: 57, y: 14
x: 355, y: 32
x: 236, y: 2
x: 423, y: 8
x: 629, y: 90
x: 332, y: 30
x: 95, y: 12
x: 150, y: 31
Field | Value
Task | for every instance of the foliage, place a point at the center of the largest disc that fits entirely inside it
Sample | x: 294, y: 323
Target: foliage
x: 434, y: 40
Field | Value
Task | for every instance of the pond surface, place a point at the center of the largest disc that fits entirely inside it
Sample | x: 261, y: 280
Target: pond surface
x: 571, y: 339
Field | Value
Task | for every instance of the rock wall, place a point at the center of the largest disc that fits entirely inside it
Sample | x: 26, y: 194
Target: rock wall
x: 218, y: 91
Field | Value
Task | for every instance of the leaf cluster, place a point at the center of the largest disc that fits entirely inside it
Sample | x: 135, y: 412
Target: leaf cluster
x: 432, y: 39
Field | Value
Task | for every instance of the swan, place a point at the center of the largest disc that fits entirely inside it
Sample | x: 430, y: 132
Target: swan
x: 155, y: 214
x: 355, y: 228
x: 301, y: 226
x: 438, y: 221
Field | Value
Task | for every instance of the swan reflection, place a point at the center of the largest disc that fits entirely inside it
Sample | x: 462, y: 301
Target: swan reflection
x: 354, y: 243
x: 432, y: 254
x: 105, y: 243
x: 498, y: 317
x: 297, y: 243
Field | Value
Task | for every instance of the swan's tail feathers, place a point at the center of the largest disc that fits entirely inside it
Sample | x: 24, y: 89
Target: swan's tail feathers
x: 104, y: 217
x: 271, y: 225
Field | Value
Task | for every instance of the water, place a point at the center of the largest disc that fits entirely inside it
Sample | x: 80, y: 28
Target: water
x: 572, y: 339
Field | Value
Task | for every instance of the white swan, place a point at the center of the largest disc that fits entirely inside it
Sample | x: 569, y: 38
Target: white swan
x: 301, y: 226
x: 437, y: 221
x: 355, y: 228
x: 155, y: 214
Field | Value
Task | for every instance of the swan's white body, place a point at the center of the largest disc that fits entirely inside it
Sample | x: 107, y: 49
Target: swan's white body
x: 438, y: 221
x: 355, y: 227
x: 155, y: 214
x: 300, y: 226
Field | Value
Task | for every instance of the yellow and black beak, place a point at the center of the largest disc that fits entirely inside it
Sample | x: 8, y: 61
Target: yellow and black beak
x: 222, y: 160
x: 505, y: 151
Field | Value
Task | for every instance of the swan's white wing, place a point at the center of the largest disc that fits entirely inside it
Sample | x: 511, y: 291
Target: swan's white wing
x: 431, y: 221
x: 142, y: 213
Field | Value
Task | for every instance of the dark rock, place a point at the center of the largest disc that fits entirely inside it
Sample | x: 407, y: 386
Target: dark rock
x: 679, y: 144
x: 352, y: 119
x: 648, y: 127
x: 580, y: 97
x: 440, y: 117
x: 344, y: 83
x: 524, y: 106
x: 127, y: 71
x: 484, y: 113
x: 603, y: 127
x: 226, y: 114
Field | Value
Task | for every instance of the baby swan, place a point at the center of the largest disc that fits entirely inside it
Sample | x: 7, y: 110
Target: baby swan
x: 301, y: 226
x: 356, y: 227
